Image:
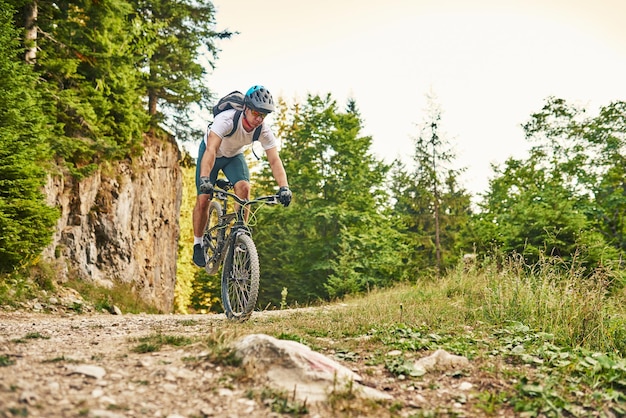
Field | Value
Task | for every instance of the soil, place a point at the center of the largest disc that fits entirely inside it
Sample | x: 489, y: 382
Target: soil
x: 88, y: 365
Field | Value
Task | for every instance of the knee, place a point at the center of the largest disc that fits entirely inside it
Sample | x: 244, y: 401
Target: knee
x: 242, y: 188
x: 202, y: 202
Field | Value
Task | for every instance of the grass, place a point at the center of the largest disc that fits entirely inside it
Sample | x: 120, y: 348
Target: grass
x: 38, y: 281
x: 121, y: 295
x: 155, y: 342
x: 551, y: 340
x: 5, y: 360
x: 31, y: 336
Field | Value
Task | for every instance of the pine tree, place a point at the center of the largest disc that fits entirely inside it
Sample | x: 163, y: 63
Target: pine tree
x: 25, y: 220
x: 429, y: 199
x: 179, y: 40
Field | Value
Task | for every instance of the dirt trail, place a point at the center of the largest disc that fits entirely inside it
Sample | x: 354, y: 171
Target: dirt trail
x: 70, y: 365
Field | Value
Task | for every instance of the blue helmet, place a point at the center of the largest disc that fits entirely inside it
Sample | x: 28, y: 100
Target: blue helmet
x: 260, y: 99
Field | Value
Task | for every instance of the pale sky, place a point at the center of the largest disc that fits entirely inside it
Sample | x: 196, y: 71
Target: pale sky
x: 490, y: 63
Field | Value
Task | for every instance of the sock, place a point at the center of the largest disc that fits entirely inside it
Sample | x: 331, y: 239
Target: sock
x: 197, y: 240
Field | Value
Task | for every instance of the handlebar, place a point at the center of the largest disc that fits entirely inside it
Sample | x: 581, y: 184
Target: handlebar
x: 221, y: 192
x: 268, y: 200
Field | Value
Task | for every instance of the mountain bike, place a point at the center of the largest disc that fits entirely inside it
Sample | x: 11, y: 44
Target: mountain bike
x: 227, y: 239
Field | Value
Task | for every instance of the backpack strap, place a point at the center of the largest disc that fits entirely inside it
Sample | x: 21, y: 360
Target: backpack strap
x: 235, y: 124
x: 257, y: 133
x: 255, y: 137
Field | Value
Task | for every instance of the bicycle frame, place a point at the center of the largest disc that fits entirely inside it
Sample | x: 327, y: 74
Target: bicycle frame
x: 229, y: 241
x: 222, y: 194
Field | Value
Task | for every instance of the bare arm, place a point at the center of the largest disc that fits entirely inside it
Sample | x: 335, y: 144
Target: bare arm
x: 208, y: 159
x: 276, y: 165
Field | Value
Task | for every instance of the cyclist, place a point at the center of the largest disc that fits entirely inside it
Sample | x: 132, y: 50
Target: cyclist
x: 218, y: 152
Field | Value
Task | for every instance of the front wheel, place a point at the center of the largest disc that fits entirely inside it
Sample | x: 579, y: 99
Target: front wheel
x: 240, y: 278
x: 212, y: 238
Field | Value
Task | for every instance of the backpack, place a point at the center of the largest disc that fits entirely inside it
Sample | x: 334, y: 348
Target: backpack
x: 234, y: 100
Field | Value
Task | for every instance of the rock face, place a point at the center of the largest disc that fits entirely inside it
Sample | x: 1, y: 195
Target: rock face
x: 121, y: 224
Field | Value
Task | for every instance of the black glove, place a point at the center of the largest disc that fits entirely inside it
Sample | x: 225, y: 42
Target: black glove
x: 205, y: 186
x: 284, y: 196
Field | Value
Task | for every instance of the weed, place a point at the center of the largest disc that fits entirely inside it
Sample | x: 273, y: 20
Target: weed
x: 280, y: 402
x: 31, y: 336
x: 121, y: 295
x: 155, y: 342
x: 18, y: 412
x: 60, y: 359
x: 221, y: 351
x: 6, y: 361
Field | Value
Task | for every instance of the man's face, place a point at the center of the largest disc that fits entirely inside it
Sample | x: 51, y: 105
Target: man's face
x: 254, y: 118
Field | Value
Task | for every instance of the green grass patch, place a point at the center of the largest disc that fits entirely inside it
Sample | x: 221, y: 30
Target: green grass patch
x: 155, y: 342
x: 31, y: 336
x: 282, y: 402
x: 60, y: 359
x: 121, y: 295
x: 6, y: 361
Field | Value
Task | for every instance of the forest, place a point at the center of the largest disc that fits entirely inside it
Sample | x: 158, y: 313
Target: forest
x: 83, y: 81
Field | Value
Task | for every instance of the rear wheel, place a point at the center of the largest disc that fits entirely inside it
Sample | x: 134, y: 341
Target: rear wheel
x: 213, y: 235
x: 240, y: 278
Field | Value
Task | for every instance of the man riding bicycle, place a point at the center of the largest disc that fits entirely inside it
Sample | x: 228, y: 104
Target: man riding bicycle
x: 221, y: 150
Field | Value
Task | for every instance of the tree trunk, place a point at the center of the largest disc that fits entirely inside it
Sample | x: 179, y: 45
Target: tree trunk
x: 30, y: 24
x: 436, y: 197
x: 152, y: 103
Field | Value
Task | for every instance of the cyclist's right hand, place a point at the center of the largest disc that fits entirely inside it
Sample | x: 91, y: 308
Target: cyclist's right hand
x: 205, y: 185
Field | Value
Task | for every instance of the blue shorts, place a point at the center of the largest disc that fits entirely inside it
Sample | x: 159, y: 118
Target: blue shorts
x: 234, y: 168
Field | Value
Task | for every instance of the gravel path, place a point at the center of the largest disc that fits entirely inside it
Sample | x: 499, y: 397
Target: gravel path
x: 87, y: 366
x: 90, y: 365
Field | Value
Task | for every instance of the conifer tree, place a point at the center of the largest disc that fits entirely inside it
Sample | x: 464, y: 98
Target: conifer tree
x: 429, y: 199
x: 179, y: 40
x: 25, y: 220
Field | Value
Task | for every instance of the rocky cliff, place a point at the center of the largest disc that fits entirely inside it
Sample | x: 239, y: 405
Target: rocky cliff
x: 121, y: 224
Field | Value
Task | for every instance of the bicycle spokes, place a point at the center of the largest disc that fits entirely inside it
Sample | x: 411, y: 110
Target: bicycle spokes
x: 240, y: 278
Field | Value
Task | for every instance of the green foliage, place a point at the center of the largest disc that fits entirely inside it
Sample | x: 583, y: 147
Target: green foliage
x: 26, y: 221
x: 100, y: 63
x: 92, y: 84
x: 568, y: 198
x: 175, y: 42
x: 429, y: 202
x: 283, y: 403
x: 205, y: 292
x: 121, y: 295
x: 555, y: 297
x: 337, y: 236
x: 6, y: 361
x: 185, y: 269
x: 155, y: 342
x: 538, y: 354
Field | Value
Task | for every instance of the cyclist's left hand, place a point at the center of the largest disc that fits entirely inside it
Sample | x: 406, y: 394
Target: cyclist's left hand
x: 284, y: 196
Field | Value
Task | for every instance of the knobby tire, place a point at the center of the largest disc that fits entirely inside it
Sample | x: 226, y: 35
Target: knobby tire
x: 240, y: 278
x: 212, y: 238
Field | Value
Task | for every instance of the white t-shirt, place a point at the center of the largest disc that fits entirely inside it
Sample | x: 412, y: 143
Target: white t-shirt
x: 234, y: 144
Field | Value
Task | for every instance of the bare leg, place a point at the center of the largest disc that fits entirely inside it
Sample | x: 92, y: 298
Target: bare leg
x: 200, y: 214
x: 242, y: 189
